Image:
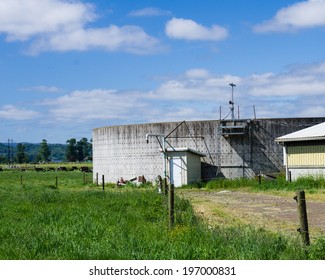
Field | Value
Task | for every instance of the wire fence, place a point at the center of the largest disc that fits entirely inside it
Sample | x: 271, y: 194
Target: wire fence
x: 47, y: 178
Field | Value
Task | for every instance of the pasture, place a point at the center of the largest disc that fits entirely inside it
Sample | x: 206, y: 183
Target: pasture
x: 76, y: 220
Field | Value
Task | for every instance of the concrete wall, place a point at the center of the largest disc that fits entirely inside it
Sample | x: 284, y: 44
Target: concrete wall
x: 122, y: 151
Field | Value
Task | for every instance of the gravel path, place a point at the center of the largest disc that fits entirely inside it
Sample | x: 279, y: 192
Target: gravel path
x: 267, y: 211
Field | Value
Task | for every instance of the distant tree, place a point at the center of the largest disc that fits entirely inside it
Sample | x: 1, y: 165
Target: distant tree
x: 21, y: 156
x: 71, y: 151
x: 83, y: 149
x: 44, y: 152
x: 78, y: 150
x: 3, y: 159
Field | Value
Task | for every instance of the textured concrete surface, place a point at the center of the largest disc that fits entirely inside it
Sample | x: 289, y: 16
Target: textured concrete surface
x: 234, y: 149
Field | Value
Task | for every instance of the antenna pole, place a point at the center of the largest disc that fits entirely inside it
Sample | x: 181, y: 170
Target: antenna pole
x: 231, y: 102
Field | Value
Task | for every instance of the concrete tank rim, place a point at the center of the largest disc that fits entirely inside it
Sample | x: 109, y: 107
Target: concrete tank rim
x: 206, y: 120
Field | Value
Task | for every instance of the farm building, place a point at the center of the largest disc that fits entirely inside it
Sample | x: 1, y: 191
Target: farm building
x: 194, y: 150
x: 304, y: 152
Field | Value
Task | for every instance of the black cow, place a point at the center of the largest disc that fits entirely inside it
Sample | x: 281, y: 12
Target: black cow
x: 85, y: 169
x: 62, y: 168
x: 39, y: 169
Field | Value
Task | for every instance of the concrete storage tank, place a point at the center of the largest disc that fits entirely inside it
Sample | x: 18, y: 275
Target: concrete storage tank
x: 232, y: 148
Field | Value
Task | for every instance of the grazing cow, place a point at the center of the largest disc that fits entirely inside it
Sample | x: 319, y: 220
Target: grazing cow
x: 85, y: 169
x: 39, y: 169
x: 62, y: 168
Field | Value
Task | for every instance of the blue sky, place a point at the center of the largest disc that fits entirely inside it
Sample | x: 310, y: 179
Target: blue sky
x: 67, y: 67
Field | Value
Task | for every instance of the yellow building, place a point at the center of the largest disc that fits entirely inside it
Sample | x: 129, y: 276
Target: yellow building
x: 304, y: 152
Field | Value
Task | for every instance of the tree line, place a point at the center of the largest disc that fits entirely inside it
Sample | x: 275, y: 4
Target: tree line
x: 72, y: 151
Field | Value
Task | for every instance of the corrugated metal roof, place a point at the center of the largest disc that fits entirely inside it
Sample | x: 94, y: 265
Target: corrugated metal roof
x: 316, y: 132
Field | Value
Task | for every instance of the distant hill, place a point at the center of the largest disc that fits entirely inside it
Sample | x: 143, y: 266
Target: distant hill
x: 57, y: 151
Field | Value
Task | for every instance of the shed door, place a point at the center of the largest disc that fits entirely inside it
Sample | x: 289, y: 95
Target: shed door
x: 176, y: 171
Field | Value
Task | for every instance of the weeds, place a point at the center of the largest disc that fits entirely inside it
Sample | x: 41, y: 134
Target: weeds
x: 310, y: 183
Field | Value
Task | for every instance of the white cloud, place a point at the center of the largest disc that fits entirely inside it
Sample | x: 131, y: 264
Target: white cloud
x: 306, y: 14
x: 96, y: 104
x: 130, y: 39
x: 21, y: 19
x: 149, y: 12
x: 197, y: 73
x: 303, y: 80
x: 195, y: 94
x: 60, y: 25
x: 50, y: 89
x: 196, y: 85
x: 187, y: 29
x: 297, y: 92
x: 10, y: 112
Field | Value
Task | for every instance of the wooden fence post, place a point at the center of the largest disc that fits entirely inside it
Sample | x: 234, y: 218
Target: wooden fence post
x: 171, y: 205
x: 160, y: 184
x: 165, y: 186
x: 302, y: 209
x: 103, y: 182
x: 97, y: 179
x: 21, y: 180
x: 56, y: 181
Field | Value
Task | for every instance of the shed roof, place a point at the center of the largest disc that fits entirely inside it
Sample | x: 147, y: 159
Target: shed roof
x: 185, y: 149
x: 313, y: 133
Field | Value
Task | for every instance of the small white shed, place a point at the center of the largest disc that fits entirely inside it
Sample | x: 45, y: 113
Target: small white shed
x: 184, y: 165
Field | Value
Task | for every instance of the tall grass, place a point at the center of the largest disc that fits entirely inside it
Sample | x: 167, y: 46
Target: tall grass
x: 71, y: 222
x: 311, y: 183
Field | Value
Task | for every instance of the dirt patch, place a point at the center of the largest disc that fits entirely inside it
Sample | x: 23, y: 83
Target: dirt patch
x: 276, y: 213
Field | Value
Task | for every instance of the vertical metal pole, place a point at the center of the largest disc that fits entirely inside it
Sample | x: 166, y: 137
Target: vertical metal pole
x: 285, y: 155
x: 97, y: 179
x: 164, y: 151
x: 103, y: 182
x: 232, y: 107
x: 302, y: 209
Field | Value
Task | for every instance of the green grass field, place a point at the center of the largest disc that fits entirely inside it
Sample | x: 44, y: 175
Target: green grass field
x: 77, y: 220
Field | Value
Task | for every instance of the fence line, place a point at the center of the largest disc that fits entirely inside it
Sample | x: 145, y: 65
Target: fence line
x: 25, y: 178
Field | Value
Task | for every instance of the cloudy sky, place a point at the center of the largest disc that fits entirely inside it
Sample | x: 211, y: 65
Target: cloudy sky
x: 67, y: 67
